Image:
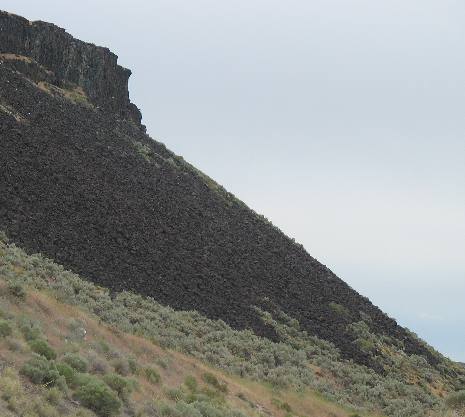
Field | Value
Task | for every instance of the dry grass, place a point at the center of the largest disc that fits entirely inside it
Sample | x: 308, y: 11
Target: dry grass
x: 15, y: 57
x: 250, y: 397
x: 12, y: 112
x: 76, y: 94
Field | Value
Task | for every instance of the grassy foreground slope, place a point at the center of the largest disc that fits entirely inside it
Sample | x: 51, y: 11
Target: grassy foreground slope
x: 61, y: 360
x: 159, y: 361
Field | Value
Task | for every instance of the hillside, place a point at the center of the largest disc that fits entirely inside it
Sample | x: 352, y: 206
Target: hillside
x: 88, y: 188
x: 158, y: 350
x: 52, y: 351
x: 82, y: 184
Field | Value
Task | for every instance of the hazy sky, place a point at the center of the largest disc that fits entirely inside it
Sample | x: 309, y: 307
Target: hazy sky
x: 342, y: 121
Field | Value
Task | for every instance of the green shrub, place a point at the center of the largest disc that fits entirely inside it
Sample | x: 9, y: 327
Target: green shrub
x: 191, y: 383
x: 10, y: 385
x: 366, y: 345
x: 81, y: 379
x: 339, y: 309
x: 76, y: 362
x: 41, y: 347
x: 5, y: 328
x: 456, y: 400
x: 102, y: 346
x: 286, y: 407
x: 30, y: 329
x: 212, y: 380
x: 41, y: 371
x: 67, y: 372
x: 98, y: 397
x: 17, y: 290
x: 152, y: 375
x: 144, y: 150
x: 162, y: 363
x: 207, y: 395
x: 54, y: 396
x: 121, y: 366
x: 77, y: 331
x: 42, y: 409
x: 122, y: 386
x: 133, y: 366
x: 175, y: 394
x: 202, y: 396
x: 167, y: 410
x: 97, y: 365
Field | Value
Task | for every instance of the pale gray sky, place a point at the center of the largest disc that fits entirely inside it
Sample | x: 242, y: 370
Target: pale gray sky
x: 340, y: 120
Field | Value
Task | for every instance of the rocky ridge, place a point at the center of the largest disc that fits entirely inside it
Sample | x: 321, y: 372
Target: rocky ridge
x: 48, y: 53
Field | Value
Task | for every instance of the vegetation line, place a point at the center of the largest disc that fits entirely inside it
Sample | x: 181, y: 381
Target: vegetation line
x: 300, y: 363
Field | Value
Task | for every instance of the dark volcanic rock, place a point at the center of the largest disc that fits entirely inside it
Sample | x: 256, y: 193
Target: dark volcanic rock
x: 93, y: 192
x: 90, y: 67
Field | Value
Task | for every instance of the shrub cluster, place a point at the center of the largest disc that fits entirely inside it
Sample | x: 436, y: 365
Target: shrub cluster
x: 456, y: 401
x: 75, y: 361
x: 97, y: 396
x: 41, y: 371
x: 152, y: 375
x: 284, y: 364
x: 41, y: 347
x: 5, y: 328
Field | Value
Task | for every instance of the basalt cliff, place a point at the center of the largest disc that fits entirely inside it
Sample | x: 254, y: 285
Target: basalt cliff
x: 46, y: 53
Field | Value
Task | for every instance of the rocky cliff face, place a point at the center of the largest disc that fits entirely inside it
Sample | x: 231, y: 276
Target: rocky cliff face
x: 47, y: 53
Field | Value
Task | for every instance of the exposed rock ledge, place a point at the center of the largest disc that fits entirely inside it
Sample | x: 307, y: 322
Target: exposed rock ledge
x: 67, y: 60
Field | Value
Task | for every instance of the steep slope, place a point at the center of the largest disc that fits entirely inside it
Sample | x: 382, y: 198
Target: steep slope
x: 83, y: 184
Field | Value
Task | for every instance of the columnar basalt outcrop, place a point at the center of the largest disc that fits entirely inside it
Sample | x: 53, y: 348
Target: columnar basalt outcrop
x: 68, y: 61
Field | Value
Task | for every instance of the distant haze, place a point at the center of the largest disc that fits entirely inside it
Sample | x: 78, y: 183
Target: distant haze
x: 342, y: 121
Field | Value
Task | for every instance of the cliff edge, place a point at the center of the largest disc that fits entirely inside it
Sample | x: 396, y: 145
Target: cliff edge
x: 47, y: 53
